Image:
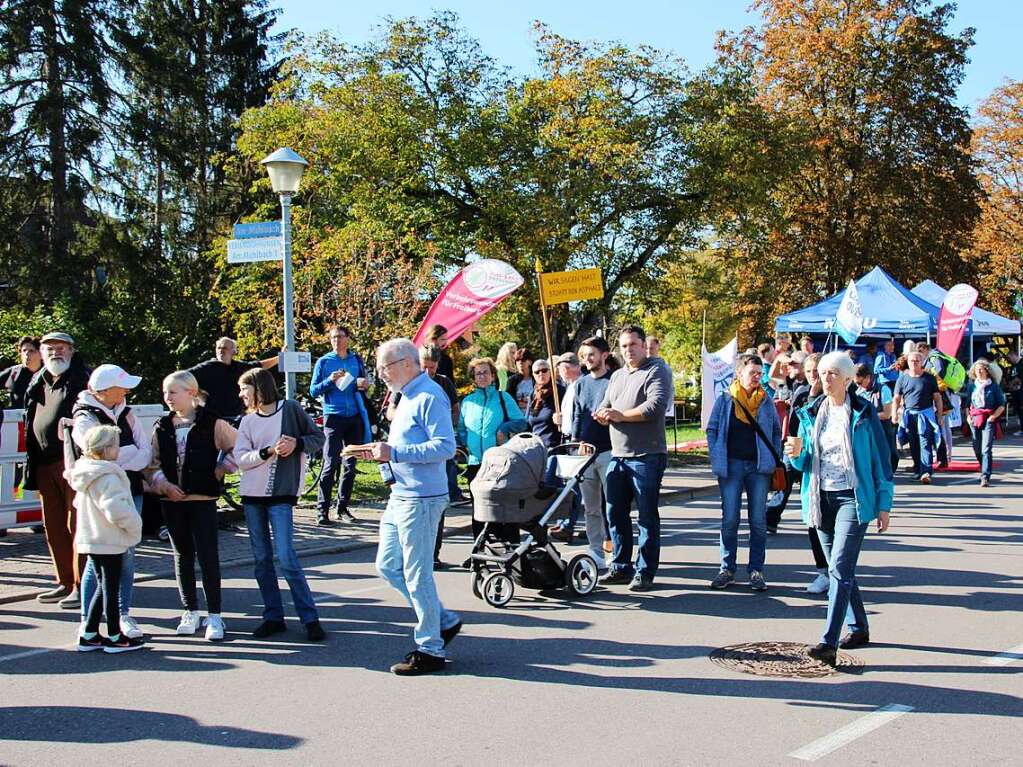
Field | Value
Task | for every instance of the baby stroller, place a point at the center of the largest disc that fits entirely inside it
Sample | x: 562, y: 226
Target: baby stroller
x: 509, y: 489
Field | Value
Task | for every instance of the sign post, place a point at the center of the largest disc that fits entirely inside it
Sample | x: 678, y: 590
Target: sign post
x: 547, y: 336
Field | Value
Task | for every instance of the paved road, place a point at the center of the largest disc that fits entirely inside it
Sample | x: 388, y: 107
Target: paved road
x: 619, y: 678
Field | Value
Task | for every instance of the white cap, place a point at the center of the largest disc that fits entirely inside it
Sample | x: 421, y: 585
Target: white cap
x: 106, y: 376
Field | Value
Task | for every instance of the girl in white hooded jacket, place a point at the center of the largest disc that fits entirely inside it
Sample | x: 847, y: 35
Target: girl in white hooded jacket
x: 107, y: 526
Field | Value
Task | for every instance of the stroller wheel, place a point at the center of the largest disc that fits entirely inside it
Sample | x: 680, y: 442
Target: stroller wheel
x: 498, y: 589
x: 581, y: 575
x: 478, y: 576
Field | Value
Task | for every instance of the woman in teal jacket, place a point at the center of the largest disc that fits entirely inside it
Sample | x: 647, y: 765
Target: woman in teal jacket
x: 842, y: 453
x: 483, y: 412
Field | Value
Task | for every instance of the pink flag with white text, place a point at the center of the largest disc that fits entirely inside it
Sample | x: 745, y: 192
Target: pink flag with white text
x: 473, y: 292
x: 955, y: 313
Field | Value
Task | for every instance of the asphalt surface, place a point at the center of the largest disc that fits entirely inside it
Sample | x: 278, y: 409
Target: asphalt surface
x: 613, y: 679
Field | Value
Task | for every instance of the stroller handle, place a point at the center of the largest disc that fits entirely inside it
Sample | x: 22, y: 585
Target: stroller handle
x: 563, y: 449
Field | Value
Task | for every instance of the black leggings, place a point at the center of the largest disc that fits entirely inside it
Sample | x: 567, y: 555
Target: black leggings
x: 193, y: 532
x: 108, y: 573
x: 818, y: 551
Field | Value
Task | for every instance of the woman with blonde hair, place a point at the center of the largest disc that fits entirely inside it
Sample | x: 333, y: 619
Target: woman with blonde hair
x: 191, y: 454
x: 505, y: 363
x: 986, y: 405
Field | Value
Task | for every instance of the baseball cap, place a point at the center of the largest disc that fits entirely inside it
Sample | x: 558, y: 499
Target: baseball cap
x: 62, y: 337
x: 106, y: 376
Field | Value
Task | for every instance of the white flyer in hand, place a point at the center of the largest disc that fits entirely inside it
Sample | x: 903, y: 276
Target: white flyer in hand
x: 344, y: 381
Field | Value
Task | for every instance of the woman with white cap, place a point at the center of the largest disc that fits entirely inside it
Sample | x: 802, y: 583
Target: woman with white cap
x: 104, y: 403
x: 986, y: 405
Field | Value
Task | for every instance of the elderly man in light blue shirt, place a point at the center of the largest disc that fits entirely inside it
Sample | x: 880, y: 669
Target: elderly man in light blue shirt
x: 413, y: 461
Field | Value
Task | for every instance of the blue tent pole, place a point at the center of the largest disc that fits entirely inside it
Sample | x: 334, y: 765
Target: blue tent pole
x: 971, y: 343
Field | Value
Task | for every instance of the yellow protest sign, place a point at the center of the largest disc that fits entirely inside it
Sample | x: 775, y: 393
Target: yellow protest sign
x: 577, y: 285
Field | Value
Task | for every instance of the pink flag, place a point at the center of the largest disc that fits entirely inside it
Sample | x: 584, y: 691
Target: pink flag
x: 473, y: 292
x: 955, y: 313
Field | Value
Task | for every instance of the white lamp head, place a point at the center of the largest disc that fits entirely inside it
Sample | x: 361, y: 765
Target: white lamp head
x: 285, y: 168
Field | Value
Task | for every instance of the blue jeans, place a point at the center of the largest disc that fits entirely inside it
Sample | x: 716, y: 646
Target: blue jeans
x: 841, y: 534
x: 983, y: 446
x: 743, y: 474
x: 405, y: 560
x: 639, y: 479
x: 90, y: 582
x: 260, y: 521
x: 921, y: 447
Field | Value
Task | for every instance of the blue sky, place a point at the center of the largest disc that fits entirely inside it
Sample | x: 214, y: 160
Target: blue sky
x: 687, y: 27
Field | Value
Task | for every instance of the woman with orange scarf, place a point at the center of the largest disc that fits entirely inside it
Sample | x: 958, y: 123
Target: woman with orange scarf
x: 741, y: 423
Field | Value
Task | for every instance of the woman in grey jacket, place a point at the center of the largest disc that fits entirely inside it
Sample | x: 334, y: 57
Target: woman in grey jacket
x: 740, y: 458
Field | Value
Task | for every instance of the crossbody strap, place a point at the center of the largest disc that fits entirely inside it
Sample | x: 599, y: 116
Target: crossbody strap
x: 760, y: 432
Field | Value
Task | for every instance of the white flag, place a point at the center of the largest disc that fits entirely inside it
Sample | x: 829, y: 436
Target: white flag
x: 849, y: 320
x: 718, y: 372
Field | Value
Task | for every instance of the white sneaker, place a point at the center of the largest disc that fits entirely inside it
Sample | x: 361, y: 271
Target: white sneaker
x: 820, y: 584
x: 130, y: 628
x: 189, y: 623
x: 214, y: 628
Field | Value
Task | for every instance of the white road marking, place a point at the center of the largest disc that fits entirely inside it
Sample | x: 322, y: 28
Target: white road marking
x: 325, y: 597
x: 1007, y: 657
x: 845, y: 735
x: 28, y: 653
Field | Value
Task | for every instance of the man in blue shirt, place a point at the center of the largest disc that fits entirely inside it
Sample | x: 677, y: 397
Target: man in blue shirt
x: 339, y: 377
x: 884, y: 366
x: 413, y: 461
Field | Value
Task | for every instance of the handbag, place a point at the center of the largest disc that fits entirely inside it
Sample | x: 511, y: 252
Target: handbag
x: 779, y: 480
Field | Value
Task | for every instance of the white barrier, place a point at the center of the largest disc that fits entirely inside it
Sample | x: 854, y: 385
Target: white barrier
x: 22, y: 508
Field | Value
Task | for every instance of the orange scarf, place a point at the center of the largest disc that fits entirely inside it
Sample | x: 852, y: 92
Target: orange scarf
x: 751, y: 402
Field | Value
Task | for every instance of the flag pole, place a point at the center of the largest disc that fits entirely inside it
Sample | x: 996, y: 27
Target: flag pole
x: 547, y: 336
x: 704, y: 342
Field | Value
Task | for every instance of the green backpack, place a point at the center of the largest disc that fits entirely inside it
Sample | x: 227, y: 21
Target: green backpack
x: 955, y: 373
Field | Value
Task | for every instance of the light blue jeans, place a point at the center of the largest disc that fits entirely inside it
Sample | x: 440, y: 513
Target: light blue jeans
x: 90, y: 582
x: 408, y: 531
x: 278, y: 518
x: 743, y: 475
x: 841, y: 534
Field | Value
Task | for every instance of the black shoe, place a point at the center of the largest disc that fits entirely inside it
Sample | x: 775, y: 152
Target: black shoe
x: 440, y: 565
x: 314, y: 631
x: 772, y: 529
x: 448, y: 634
x: 345, y: 514
x: 324, y: 520
x: 38, y: 529
x: 614, y: 578
x: 824, y: 653
x: 417, y: 663
x: 88, y: 645
x: 124, y: 643
x: 269, y: 628
x: 641, y: 583
x: 854, y: 639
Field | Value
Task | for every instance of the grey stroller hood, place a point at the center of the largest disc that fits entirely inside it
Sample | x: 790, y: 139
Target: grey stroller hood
x: 509, y: 486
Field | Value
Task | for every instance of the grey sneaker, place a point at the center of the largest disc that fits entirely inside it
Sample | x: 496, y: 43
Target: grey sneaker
x: 722, y: 580
x: 71, y: 602
x: 756, y: 581
x: 641, y: 583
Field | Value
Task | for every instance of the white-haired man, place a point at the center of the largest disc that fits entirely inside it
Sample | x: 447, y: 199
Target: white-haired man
x: 413, y: 459
x: 916, y: 407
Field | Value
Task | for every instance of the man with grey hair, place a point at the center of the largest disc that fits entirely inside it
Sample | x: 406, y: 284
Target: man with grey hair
x: 48, y: 401
x: 219, y: 376
x: 412, y: 461
x: 916, y: 408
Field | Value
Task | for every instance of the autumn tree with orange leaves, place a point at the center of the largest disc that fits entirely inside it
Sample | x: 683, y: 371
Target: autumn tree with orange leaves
x: 879, y: 149
x: 997, y: 248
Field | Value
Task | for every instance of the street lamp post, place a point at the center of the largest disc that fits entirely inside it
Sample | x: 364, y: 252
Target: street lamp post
x: 285, y: 168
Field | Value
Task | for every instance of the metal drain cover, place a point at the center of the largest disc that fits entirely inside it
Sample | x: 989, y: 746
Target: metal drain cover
x: 781, y: 659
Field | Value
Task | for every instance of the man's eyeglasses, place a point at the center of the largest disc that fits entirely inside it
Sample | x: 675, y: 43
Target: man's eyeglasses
x: 382, y: 368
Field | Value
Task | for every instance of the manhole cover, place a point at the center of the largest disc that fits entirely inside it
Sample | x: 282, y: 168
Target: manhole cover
x: 781, y: 659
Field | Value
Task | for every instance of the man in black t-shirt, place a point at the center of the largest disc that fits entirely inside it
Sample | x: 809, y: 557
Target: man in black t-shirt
x: 917, y: 408
x: 218, y: 377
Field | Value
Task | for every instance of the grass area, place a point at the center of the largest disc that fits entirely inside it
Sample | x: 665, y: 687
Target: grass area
x: 685, y: 432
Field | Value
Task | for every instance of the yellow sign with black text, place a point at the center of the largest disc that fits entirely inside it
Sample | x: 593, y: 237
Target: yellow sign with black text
x: 577, y: 285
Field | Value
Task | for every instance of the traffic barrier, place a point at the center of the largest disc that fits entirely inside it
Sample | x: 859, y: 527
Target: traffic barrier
x: 21, y: 508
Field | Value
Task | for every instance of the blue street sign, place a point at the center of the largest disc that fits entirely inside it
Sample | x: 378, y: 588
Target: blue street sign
x: 257, y: 229
x: 247, y: 251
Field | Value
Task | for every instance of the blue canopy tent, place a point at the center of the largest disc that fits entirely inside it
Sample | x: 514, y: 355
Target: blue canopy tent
x: 889, y: 309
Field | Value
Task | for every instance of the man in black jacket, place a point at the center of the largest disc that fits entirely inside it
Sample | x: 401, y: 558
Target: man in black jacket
x: 219, y: 376
x: 49, y: 400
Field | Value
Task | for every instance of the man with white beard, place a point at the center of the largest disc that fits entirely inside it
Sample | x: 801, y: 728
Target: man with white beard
x: 49, y: 399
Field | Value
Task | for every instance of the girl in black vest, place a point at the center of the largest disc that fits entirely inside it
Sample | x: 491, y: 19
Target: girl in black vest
x: 187, y: 469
